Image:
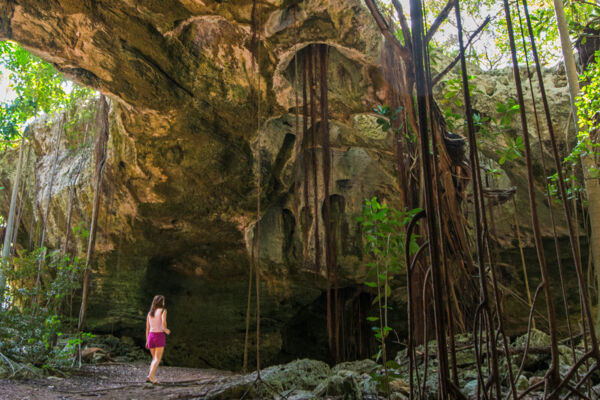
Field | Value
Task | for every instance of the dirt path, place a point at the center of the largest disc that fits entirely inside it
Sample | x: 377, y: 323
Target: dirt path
x: 119, y: 381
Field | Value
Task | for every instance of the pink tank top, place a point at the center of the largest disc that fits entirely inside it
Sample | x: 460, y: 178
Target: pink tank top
x: 156, y: 321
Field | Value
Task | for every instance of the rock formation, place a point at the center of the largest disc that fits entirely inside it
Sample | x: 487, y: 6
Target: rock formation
x: 179, y: 196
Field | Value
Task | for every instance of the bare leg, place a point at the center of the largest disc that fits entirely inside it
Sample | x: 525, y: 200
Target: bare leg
x: 158, y: 352
x: 152, y: 352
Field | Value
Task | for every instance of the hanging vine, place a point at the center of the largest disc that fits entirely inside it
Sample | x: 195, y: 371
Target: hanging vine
x: 314, y: 59
x: 100, y: 156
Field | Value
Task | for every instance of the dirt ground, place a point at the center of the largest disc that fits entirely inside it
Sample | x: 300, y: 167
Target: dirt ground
x: 118, y: 381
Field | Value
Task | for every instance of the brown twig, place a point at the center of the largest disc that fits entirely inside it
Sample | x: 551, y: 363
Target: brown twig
x: 442, y: 16
x: 385, y: 28
x: 403, y: 24
x: 439, y: 76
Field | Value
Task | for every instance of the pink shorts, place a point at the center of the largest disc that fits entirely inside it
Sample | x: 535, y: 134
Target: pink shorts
x: 156, y: 339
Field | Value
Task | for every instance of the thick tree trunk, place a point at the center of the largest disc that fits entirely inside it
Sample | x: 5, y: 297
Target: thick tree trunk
x: 10, y: 223
x: 592, y: 185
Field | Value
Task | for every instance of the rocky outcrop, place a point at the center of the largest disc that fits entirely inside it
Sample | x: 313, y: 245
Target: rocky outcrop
x: 187, y: 121
x: 492, y: 92
x: 178, y: 208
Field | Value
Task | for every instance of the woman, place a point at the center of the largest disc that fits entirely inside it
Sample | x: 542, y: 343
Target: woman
x: 156, y: 331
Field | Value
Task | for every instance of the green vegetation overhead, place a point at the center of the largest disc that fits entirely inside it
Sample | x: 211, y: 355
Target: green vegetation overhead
x: 38, y: 88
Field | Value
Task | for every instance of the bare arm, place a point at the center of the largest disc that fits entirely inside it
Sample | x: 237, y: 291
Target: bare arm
x: 164, y: 323
x: 147, y: 327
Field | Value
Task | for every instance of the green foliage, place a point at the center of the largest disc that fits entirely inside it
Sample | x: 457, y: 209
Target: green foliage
x: 491, y: 49
x: 38, y: 304
x: 513, y: 150
x: 383, y: 227
x: 452, y: 98
x: 38, y: 87
x: 387, y: 117
x: 10, y: 119
x: 454, y: 87
x: 80, y: 231
x: 573, y: 187
x: 588, y: 118
x: 79, y: 114
x: 493, y: 172
x: 507, y: 112
x: 582, y: 14
x: 384, y: 232
x: 386, y: 120
x: 545, y: 29
x: 514, y: 147
x: 36, y: 83
x: 588, y: 114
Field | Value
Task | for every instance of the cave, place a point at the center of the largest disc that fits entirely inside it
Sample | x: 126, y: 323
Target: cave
x: 204, y: 151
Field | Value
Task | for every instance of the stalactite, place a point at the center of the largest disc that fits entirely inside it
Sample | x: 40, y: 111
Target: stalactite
x: 51, y: 183
x: 72, y: 197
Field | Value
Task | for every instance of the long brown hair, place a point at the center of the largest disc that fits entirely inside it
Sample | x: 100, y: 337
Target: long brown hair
x: 157, y: 302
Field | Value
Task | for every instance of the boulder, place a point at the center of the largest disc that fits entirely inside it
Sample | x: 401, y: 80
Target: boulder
x: 366, y: 366
x: 297, y: 375
x: 343, y: 384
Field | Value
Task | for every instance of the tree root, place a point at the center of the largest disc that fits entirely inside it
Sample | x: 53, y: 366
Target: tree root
x: 9, y: 362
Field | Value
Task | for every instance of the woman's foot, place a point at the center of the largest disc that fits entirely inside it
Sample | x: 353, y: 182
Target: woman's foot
x: 151, y: 380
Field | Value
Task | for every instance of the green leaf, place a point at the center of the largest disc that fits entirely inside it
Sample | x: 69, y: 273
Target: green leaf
x: 375, y: 300
x: 449, y: 94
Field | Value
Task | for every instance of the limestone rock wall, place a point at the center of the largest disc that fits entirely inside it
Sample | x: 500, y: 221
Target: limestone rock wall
x: 497, y: 87
x: 178, y: 210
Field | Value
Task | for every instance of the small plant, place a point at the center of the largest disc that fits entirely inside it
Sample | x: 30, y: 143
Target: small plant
x: 37, y: 306
x: 454, y: 88
x: 384, y: 230
x: 453, y: 99
x: 513, y: 150
x: 80, y: 231
x: 573, y: 187
x: 493, y: 172
x: 507, y: 112
x: 386, y: 120
x: 387, y: 116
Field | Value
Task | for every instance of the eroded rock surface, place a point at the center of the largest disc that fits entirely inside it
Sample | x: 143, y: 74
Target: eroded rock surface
x: 179, y: 198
